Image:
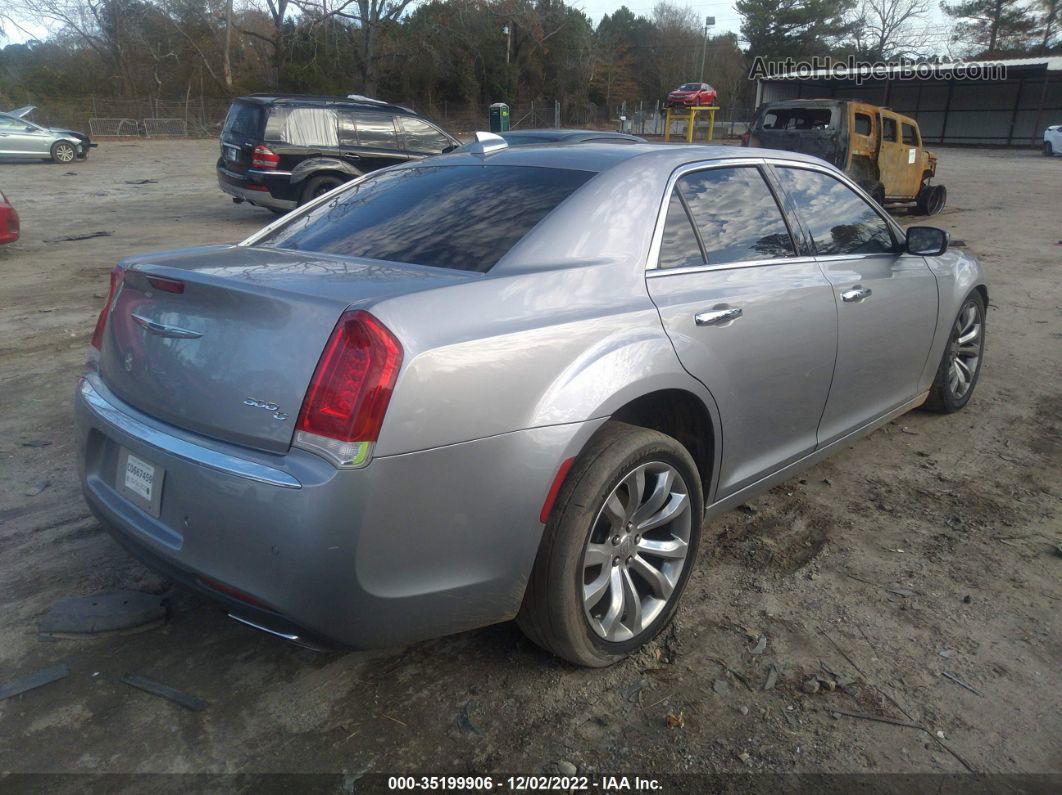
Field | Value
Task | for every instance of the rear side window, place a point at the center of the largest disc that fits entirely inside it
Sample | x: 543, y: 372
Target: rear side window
x: 679, y: 247
x: 243, y: 122
x: 910, y: 135
x: 888, y: 128
x: 839, y: 220
x: 736, y: 215
x: 375, y: 129
x: 862, y: 124
x: 461, y: 217
x: 797, y: 119
x: 422, y: 138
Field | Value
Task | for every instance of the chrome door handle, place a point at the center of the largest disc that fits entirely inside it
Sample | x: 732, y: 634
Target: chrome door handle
x: 856, y: 294
x: 717, y: 317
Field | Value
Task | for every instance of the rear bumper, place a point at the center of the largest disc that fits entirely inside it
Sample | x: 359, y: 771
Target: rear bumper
x: 413, y: 546
x: 257, y: 188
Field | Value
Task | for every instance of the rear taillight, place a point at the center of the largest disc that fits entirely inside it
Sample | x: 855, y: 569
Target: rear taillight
x: 101, y: 322
x: 264, y: 158
x: 745, y: 138
x: 351, y: 387
x: 166, y: 285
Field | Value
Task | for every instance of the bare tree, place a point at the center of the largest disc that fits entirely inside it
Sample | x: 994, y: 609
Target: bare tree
x: 891, y: 29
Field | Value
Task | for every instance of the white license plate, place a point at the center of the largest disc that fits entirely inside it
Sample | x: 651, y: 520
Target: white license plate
x: 140, y: 481
x: 140, y: 477
x: 232, y: 154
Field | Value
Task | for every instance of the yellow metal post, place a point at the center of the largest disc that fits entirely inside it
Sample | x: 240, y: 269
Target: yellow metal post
x: 691, y: 122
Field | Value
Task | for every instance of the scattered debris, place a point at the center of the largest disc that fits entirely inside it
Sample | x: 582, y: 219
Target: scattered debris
x: 45, y: 676
x: 947, y: 653
x: 746, y: 508
x: 967, y: 599
x: 140, y: 181
x: 566, y: 768
x: 69, y: 174
x: 720, y: 686
x: 85, y: 236
x: 772, y: 677
x: 36, y: 443
x: 743, y: 710
x: 102, y: 615
x: 186, y: 700
x: 396, y: 720
x: 675, y: 721
x: 959, y: 682
x: 464, y: 720
x: 879, y: 719
x: 37, y: 488
x: 744, y: 757
x: 732, y: 672
x: 810, y: 685
x: 761, y: 646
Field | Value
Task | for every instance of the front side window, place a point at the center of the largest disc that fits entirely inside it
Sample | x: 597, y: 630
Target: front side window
x: 8, y: 123
x: 910, y: 135
x: 461, y: 217
x: 422, y: 138
x: 862, y: 124
x: 839, y: 220
x: 735, y: 215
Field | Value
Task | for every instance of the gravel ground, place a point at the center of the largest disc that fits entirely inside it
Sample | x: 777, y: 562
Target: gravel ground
x: 928, y: 548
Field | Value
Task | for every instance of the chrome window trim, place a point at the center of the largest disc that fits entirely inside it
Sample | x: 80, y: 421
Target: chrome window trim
x: 180, y: 448
x: 652, y: 260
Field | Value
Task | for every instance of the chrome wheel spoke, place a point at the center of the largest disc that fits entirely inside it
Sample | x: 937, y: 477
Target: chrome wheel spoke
x: 657, y: 499
x: 659, y: 584
x: 615, y: 511
x: 593, y: 592
x: 672, y: 549
x: 635, y: 483
x: 616, y: 603
x: 675, y: 506
x: 633, y: 603
x: 597, y: 555
x: 969, y: 336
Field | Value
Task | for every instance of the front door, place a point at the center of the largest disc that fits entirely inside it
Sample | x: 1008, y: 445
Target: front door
x: 17, y: 138
x: 886, y: 300
x: 748, y: 317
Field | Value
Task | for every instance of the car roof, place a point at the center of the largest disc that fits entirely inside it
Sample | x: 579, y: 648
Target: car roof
x: 565, y: 134
x: 600, y: 157
x: 359, y: 102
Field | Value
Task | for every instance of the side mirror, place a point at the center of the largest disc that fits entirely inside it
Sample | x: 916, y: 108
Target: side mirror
x: 30, y: 128
x: 927, y: 241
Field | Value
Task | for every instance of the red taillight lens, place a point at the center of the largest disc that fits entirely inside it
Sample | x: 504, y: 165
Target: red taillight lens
x: 264, y: 157
x: 101, y: 322
x: 166, y: 285
x: 351, y: 387
x: 745, y: 138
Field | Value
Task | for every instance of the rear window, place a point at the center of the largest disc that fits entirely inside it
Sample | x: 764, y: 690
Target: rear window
x: 461, y: 217
x: 797, y: 119
x: 243, y: 122
x: 862, y: 124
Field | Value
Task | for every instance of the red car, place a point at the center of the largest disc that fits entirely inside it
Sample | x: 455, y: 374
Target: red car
x: 8, y: 221
x: 690, y: 95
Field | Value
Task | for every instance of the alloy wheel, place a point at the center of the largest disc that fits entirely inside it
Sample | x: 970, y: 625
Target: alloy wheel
x: 965, y: 350
x: 64, y: 153
x: 636, y: 551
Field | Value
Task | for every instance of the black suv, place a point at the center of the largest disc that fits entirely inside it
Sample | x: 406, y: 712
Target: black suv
x: 280, y: 151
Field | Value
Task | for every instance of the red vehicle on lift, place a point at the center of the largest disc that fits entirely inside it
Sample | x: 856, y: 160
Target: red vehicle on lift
x: 8, y: 221
x: 691, y: 95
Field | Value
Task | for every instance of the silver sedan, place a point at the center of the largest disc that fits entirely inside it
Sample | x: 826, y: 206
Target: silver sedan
x: 23, y: 139
x: 509, y: 382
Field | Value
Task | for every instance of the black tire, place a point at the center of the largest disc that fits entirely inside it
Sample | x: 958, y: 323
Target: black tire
x: 1048, y: 150
x: 943, y: 396
x: 63, y: 152
x: 931, y: 199
x: 316, y: 186
x: 552, y: 613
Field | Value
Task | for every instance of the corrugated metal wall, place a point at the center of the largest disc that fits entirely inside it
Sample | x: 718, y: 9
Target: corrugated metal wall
x: 1011, y: 112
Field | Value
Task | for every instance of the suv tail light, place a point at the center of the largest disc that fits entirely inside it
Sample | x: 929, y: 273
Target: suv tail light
x: 101, y: 322
x: 264, y: 158
x: 745, y: 136
x: 351, y: 387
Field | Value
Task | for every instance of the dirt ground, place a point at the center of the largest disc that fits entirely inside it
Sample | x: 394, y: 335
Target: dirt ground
x: 928, y: 548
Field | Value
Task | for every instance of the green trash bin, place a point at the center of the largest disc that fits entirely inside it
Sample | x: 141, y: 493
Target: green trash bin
x: 499, y: 117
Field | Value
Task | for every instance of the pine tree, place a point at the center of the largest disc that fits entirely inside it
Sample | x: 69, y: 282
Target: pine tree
x: 991, y: 28
x: 777, y: 29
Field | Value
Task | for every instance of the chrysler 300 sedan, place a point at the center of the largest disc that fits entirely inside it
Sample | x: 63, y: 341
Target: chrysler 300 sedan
x: 510, y: 382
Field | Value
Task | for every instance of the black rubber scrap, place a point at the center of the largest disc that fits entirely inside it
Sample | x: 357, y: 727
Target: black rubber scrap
x: 186, y: 700
x: 102, y: 614
x: 45, y: 676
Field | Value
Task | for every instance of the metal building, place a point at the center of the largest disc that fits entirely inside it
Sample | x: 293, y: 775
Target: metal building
x: 1012, y: 111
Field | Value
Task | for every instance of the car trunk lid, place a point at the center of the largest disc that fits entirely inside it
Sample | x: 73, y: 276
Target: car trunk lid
x: 223, y: 341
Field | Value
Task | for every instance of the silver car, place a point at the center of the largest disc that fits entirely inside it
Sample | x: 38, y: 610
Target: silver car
x: 23, y: 139
x: 506, y: 383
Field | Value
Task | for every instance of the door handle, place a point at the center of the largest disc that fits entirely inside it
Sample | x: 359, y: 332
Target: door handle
x: 856, y: 294
x: 717, y: 317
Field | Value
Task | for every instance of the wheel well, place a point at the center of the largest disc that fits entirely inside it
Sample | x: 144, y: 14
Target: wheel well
x: 327, y: 172
x: 681, y: 415
x: 984, y: 294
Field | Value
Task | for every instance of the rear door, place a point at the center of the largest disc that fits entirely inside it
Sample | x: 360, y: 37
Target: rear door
x: 886, y: 300
x: 749, y: 317
x: 378, y: 139
x: 892, y: 156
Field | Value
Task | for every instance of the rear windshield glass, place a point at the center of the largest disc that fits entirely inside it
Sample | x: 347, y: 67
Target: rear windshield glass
x: 243, y: 122
x: 796, y: 119
x: 462, y: 217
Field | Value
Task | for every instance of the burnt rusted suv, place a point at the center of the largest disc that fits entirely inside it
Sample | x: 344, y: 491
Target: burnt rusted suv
x: 880, y: 149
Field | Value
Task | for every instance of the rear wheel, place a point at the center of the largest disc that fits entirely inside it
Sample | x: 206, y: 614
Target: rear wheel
x: 318, y: 186
x: 1048, y: 149
x: 618, y: 548
x: 931, y: 199
x: 63, y: 152
x: 960, y: 365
